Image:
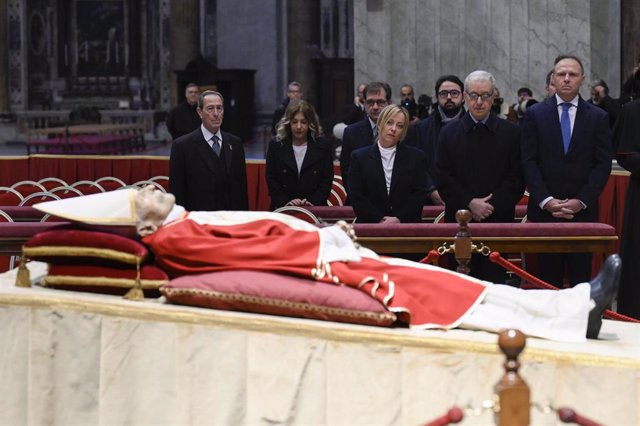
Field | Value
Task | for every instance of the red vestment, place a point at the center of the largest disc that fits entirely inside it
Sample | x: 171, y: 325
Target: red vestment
x: 424, y: 296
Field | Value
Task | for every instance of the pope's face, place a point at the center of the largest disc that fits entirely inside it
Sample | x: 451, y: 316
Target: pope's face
x: 152, y: 208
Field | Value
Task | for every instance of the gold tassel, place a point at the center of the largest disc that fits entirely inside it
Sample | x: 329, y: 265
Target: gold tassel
x: 136, y: 292
x: 22, y: 277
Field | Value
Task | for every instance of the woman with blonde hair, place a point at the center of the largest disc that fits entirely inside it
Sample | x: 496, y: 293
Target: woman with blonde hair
x: 299, y: 160
x: 388, y: 181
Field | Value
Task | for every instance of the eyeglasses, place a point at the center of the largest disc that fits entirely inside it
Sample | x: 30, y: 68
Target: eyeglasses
x: 380, y: 102
x: 443, y: 94
x: 474, y: 96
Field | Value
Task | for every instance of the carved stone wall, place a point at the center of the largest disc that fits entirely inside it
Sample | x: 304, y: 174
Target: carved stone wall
x: 416, y: 41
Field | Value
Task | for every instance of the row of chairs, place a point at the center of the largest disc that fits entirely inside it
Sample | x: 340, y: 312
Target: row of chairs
x: 29, y: 192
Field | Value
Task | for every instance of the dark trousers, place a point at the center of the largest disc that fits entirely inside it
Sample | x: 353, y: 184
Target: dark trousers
x: 554, y: 265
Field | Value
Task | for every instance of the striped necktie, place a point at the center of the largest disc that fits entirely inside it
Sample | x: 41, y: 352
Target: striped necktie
x: 215, y: 145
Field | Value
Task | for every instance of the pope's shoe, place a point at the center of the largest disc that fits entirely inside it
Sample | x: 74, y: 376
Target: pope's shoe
x: 604, y: 288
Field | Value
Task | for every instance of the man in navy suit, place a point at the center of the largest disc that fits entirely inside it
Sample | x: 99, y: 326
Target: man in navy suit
x: 566, y: 157
x: 207, y: 168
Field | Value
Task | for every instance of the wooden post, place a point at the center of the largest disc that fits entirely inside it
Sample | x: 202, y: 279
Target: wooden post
x: 513, y: 393
x: 462, y: 242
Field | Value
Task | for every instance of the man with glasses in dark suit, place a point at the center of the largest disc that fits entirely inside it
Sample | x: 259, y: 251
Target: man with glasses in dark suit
x: 478, y: 165
x: 377, y: 95
x: 450, y: 108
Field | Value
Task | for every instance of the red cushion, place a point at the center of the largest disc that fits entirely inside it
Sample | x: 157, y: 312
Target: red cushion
x: 270, y: 293
x: 104, y: 279
x: 62, y: 244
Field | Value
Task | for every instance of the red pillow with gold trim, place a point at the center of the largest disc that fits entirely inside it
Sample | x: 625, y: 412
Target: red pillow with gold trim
x: 276, y: 294
x: 104, y: 279
x: 72, y: 245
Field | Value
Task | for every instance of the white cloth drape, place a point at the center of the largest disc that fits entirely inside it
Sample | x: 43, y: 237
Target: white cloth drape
x: 76, y: 359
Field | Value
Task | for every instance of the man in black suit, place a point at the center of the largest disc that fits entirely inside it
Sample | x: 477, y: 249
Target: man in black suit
x: 478, y: 166
x: 449, y: 90
x: 566, y: 157
x: 377, y: 95
x: 207, y: 169
x: 184, y: 118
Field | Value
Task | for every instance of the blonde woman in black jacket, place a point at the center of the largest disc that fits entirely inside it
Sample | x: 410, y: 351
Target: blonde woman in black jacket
x: 299, y: 160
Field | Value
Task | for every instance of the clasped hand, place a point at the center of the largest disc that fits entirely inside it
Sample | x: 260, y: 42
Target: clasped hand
x: 563, y: 209
x: 480, y: 208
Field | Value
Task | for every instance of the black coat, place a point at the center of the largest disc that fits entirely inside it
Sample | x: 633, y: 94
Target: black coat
x: 368, y: 189
x: 473, y: 161
x: 627, y: 138
x: 183, y: 120
x: 315, y: 178
x: 360, y: 134
x: 582, y: 173
x: 202, y: 181
x: 355, y: 136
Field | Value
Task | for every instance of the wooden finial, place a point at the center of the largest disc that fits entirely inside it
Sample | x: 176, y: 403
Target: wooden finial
x: 512, y: 390
x: 462, y: 241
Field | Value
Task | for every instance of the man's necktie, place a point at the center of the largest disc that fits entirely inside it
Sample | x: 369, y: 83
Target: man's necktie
x: 215, y: 145
x: 565, y: 125
x: 375, y: 134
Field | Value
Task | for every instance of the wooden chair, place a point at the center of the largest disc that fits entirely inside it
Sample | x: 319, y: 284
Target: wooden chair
x: 338, y: 194
x: 52, y: 182
x: 66, y: 192
x: 27, y: 187
x: 87, y: 187
x: 162, y: 180
x: 299, y: 212
x: 110, y: 183
x: 38, y: 197
x: 143, y: 183
x: 9, y: 196
x: 6, y: 262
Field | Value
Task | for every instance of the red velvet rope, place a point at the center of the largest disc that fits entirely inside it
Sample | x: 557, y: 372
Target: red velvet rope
x: 568, y: 415
x: 495, y: 257
x: 431, y: 257
x: 454, y: 415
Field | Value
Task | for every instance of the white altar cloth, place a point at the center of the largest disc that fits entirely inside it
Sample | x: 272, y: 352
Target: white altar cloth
x: 69, y: 358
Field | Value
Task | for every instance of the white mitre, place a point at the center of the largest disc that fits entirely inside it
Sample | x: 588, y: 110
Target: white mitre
x: 114, y: 208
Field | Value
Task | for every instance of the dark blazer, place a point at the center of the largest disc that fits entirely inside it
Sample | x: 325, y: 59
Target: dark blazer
x: 475, y: 160
x: 316, y: 175
x: 202, y: 181
x: 360, y: 134
x: 368, y: 191
x: 183, y: 120
x: 581, y: 173
x: 355, y: 136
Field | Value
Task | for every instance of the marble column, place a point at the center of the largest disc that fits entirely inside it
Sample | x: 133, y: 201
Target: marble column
x: 4, y: 88
x: 303, y: 40
x: 185, y: 35
x: 416, y: 41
